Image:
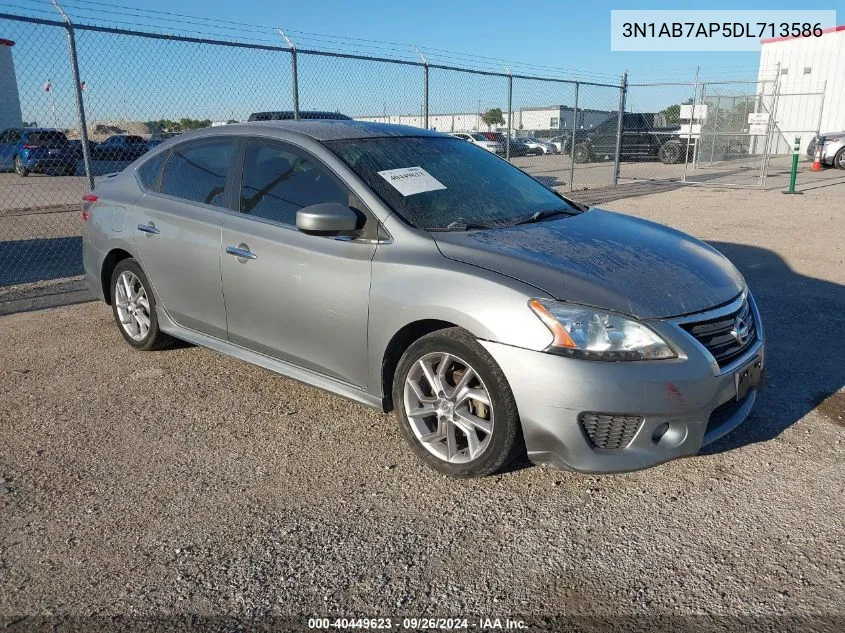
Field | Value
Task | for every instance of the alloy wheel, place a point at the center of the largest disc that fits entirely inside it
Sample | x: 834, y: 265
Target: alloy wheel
x: 449, y: 408
x: 133, y: 306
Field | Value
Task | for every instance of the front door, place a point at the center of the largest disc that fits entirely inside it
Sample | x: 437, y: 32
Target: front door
x: 297, y: 297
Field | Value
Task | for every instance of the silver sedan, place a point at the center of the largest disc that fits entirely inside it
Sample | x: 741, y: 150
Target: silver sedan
x: 411, y: 270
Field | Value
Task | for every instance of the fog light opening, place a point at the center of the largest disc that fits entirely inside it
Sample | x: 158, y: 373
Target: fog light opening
x: 659, y: 432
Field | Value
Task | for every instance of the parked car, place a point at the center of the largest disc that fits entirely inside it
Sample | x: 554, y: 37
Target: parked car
x: 833, y: 149
x: 285, y: 115
x: 477, y: 138
x: 536, y: 144
x: 35, y: 150
x: 406, y: 270
x: 120, y: 147
x: 516, y: 148
x: 640, y: 140
x: 561, y: 142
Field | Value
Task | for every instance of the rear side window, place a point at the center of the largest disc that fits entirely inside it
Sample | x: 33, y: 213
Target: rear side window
x: 197, y: 171
x: 277, y: 182
x: 149, y: 171
x: 10, y: 136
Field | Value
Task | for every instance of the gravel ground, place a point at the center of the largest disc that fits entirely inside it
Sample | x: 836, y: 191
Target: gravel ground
x: 181, y: 483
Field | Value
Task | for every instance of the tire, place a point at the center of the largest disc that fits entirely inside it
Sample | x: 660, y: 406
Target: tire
x: 495, y: 448
x: 20, y: 169
x: 670, y: 153
x: 581, y: 153
x: 839, y: 159
x: 131, y: 326
x: 811, y: 149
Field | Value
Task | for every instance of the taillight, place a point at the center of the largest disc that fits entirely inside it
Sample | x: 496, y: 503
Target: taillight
x: 29, y: 146
x: 88, y: 201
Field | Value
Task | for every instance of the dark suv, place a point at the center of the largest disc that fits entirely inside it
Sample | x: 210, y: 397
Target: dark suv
x: 286, y: 115
x: 35, y: 150
x: 641, y: 140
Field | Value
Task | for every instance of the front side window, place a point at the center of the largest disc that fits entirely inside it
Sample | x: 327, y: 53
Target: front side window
x: 477, y: 187
x: 197, y: 171
x: 279, y: 181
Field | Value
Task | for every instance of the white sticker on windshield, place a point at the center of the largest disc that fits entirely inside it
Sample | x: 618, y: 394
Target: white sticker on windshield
x: 411, y: 180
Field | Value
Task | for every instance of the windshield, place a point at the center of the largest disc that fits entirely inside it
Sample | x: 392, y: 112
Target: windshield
x: 479, y: 137
x: 470, y: 186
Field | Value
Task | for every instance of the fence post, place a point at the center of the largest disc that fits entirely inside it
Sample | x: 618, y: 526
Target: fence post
x: 623, y: 88
x: 80, y: 104
x: 425, y: 87
x: 572, y: 145
x: 294, y: 76
x: 691, y: 122
x: 510, y: 114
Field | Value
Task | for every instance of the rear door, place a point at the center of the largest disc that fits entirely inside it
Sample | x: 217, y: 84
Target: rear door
x: 9, y: 140
x: 298, y: 297
x: 177, y: 226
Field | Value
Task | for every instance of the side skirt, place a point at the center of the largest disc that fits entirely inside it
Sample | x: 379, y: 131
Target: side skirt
x: 337, y: 387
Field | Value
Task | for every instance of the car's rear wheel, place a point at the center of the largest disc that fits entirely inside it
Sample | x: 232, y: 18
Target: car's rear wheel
x: 20, y: 168
x: 839, y: 159
x: 454, y: 405
x: 133, y: 305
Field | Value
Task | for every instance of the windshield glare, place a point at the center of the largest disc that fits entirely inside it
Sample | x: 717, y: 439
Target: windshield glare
x: 480, y: 189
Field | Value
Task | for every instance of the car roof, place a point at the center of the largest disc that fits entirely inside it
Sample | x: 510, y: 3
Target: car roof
x: 322, y: 129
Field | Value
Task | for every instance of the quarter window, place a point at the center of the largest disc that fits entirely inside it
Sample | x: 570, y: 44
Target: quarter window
x: 277, y: 182
x: 197, y: 172
x: 149, y: 171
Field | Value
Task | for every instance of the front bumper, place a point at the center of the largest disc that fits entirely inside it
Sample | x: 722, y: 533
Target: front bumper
x: 691, y: 394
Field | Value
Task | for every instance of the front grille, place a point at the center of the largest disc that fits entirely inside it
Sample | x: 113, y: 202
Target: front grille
x: 717, y: 335
x: 609, y: 431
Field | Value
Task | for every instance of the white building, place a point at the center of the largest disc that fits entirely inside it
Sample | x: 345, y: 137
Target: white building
x: 530, y: 119
x: 10, y: 103
x: 811, y: 85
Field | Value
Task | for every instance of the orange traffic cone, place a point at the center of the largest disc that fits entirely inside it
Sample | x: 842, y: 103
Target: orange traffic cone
x: 817, y: 160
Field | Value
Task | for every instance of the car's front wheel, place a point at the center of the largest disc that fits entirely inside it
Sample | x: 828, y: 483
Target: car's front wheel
x: 839, y: 159
x: 670, y: 153
x: 581, y: 153
x: 454, y: 405
x: 133, y: 305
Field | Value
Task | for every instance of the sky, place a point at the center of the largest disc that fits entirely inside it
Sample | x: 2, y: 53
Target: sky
x: 151, y: 79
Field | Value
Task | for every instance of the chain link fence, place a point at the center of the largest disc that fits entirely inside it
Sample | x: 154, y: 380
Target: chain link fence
x: 86, y: 100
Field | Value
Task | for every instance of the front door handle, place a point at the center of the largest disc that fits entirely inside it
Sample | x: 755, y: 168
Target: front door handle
x: 149, y: 228
x: 241, y: 252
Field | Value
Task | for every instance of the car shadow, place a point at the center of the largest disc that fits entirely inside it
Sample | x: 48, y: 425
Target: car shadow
x: 803, y: 319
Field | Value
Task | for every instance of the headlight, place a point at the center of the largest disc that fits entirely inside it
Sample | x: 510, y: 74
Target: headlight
x: 588, y: 333
x: 830, y: 141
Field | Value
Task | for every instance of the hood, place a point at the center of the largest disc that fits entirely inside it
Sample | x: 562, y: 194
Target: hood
x: 605, y: 260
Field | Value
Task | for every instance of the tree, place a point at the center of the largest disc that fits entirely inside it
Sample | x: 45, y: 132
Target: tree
x: 673, y: 113
x: 493, y: 117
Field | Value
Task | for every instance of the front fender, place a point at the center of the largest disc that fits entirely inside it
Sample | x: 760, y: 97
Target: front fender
x: 427, y: 286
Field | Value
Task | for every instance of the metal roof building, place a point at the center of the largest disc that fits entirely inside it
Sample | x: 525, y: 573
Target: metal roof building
x: 810, y: 83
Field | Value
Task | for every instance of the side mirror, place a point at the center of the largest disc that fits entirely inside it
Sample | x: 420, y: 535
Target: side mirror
x: 328, y: 218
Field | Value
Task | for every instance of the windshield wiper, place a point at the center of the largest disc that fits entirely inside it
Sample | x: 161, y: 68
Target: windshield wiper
x: 458, y: 225
x: 542, y: 215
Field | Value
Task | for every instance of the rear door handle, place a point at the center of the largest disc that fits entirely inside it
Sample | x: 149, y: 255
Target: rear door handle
x: 240, y: 252
x: 149, y: 228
